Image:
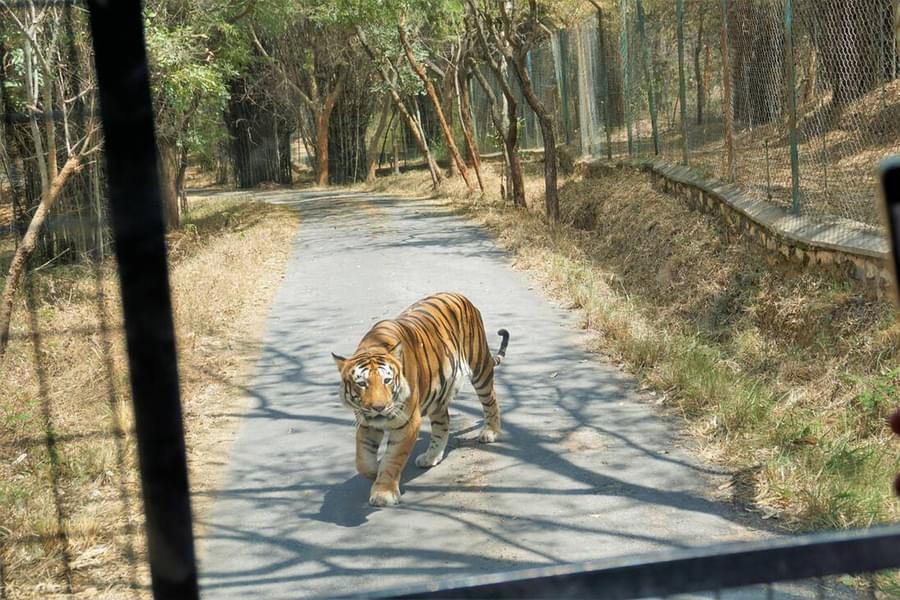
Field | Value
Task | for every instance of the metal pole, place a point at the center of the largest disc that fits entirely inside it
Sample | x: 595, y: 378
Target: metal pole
x: 535, y: 130
x: 626, y: 78
x: 881, y: 79
x: 682, y: 93
x: 889, y: 173
x: 792, y: 104
x: 604, y: 79
x: 564, y: 81
x: 139, y: 233
x: 727, y: 101
x: 895, y: 32
x: 682, y: 571
x: 648, y: 73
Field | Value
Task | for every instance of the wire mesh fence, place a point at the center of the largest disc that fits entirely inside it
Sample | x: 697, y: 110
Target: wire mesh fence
x: 795, y: 101
x: 48, y: 103
x: 69, y: 502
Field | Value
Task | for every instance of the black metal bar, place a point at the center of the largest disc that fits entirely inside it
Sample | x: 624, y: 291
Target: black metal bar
x: 139, y: 234
x: 890, y: 188
x: 683, y: 571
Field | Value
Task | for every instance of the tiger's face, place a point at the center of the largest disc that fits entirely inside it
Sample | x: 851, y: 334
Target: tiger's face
x: 373, y: 386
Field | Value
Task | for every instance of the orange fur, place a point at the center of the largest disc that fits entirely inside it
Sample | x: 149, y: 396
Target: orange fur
x: 412, y: 367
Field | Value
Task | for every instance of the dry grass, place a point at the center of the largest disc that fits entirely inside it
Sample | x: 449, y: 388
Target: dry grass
x: 786, y: 377
x: 226, y: 262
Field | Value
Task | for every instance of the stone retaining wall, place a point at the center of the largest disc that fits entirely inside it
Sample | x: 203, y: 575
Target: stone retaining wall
x: 846, y: 248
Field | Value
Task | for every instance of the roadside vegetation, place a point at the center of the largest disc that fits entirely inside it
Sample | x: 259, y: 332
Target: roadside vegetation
x: 786, y: 377
x: 69, y: 489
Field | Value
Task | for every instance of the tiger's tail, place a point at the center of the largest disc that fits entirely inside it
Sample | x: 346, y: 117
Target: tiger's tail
x: 498, y: 358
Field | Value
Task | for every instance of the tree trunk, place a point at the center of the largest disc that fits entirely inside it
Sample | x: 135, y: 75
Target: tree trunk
x: 515, y: 167
x: 168, y: 175
x: 322, y: 176
x: 23, y: 252
x: 29, y: 69
x: 448, y: 92
x: 388, y: 133
x: 372, y: 152
x: 411, y: 123
x: 323, y: 118
x: 465, y: 120
x: 809, y: 86
x: 432, y: 94
x: 707, y: 71
x: 727, y: 102
x: 179, y: 182
x: 396, y: 149
x: 50, y: 125
x: 551, y: 194
x: 698, y: 75
x: 222, y: 165
x: 418, y: 135
x: 507, y: 130
x: 511, y: 141
x: 415, y: 127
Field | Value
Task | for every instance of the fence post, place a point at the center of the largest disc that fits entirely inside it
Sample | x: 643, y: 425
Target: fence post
x: 604, y: 81
x: 728, y: 100
x: 564, y: 81
x: 530, y: 116
x: 881, y: 79
x: 648, y: 73
x: 792, y: 104
x: 895, y: 38
x: 682, y: 93
x: 626, y: 78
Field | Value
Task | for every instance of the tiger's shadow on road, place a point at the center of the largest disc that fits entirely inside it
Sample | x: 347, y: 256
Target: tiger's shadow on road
x: 347, y: 504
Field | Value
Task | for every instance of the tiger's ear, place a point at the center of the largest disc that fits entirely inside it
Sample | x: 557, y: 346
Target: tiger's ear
x: 340, y: 361
x: 397, y: 351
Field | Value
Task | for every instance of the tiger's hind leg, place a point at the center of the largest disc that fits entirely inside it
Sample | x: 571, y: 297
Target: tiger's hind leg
x: 483, y: 383
x: 440, y: 433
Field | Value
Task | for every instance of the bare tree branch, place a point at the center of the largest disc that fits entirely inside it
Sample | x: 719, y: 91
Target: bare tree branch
x: 282, y: 71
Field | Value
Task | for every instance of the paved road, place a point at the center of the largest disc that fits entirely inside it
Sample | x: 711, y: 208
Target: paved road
x: 586, y: 469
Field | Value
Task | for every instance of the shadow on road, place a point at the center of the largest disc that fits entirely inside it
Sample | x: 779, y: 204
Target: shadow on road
x: 583, y: 469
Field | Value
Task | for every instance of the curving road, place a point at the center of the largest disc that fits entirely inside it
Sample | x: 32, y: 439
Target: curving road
x: 586, y: 467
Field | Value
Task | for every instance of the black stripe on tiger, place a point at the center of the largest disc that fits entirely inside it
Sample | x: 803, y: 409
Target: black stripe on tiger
x: 428, y: 350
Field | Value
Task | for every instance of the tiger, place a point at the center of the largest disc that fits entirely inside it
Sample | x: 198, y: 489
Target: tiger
x: 411, y: 367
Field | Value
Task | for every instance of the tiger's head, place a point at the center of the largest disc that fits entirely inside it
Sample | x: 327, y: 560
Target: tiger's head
x: 372, y: 384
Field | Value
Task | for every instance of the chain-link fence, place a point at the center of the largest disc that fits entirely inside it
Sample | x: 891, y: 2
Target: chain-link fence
x: 48, y: 106
x: 793, y: 100
x: 69, y: 507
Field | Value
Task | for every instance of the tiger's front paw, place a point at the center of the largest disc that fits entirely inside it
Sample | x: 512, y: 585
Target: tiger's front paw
x: 384, y: 497
x: 488, y: 436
